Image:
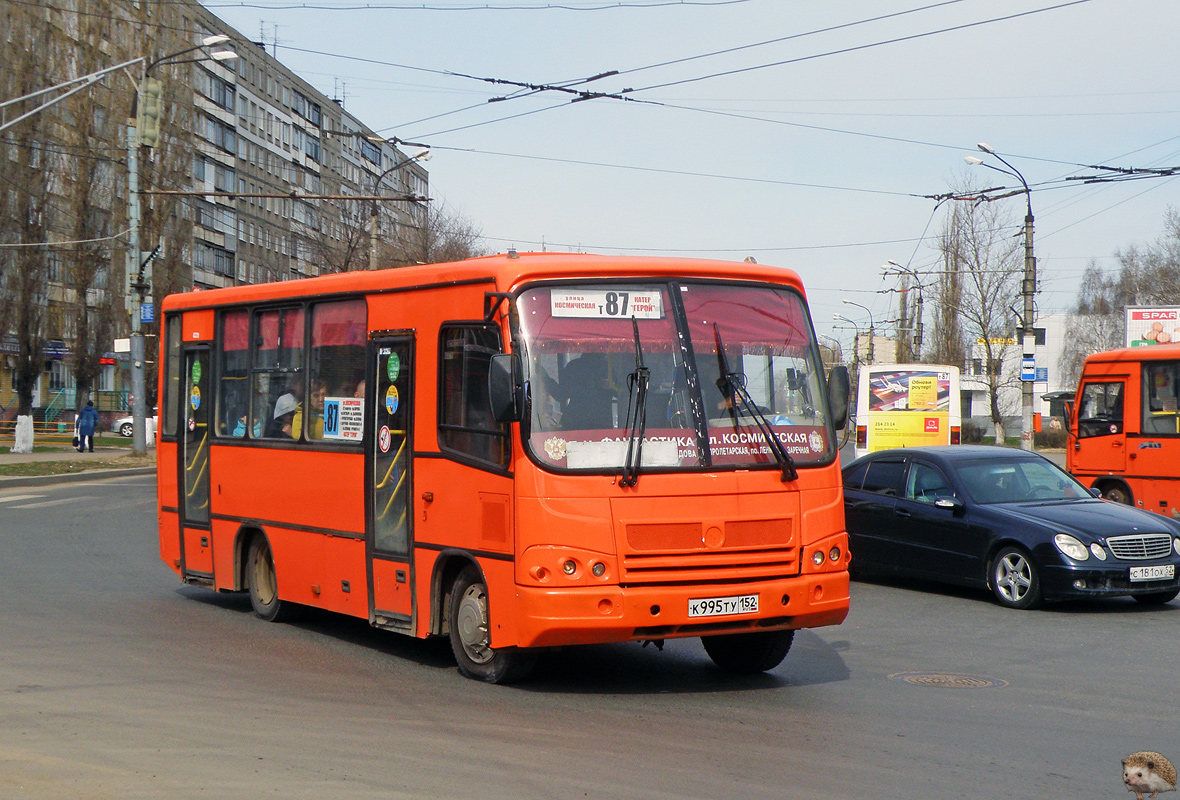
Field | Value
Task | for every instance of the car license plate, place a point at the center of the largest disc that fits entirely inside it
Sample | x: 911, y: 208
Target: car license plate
x: 1164, y: 573
x: 718, y: 606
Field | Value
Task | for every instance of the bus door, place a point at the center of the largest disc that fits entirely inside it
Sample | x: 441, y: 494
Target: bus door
x: 388, y: 481
x: 193, y: 442
x: 1101, y: 443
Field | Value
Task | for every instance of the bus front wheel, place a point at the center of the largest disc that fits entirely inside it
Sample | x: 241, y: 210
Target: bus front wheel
x: 748, y: 653
x: 1116, y: 493
x: 470, y: 633
x: 264, y: 585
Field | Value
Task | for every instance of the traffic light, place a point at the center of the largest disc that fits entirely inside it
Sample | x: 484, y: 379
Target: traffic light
x: 151, y: 103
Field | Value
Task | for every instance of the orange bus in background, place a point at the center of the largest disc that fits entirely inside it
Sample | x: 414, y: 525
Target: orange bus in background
x: 517, y: 452
x: 1125, y: 427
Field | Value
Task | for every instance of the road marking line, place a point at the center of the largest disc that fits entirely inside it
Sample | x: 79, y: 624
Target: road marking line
x: 55, y: 502
x: 18, y: 497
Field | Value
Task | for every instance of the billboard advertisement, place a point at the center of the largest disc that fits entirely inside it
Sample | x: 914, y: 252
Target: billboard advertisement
x: 1148, y: 325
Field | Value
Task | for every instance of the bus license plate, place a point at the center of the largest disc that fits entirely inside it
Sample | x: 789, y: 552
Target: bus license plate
x: 718, y: 606
x: 1164, y: 573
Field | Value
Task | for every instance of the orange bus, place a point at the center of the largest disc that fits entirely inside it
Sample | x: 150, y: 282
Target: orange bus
x: 1125, y: 427
x: 517, y: 452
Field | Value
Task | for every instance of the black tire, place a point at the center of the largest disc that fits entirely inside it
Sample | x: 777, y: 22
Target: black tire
x: 748, y: 653
x: 1157, y: 598
x: 126, y: 429
x: 1014, y: 579
x: 469, y: 628
x: 263, y: 582
x: 1116, y: 493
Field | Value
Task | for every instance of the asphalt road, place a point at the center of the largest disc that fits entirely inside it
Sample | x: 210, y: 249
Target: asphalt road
x: 117, y: 682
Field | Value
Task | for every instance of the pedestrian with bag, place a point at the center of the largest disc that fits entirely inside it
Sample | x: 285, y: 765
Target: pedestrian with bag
x: 84, y: 428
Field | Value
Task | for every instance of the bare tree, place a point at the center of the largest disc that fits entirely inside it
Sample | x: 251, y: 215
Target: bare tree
x: 947, y: 345
x: 439, y: 234
x: 1148, y: 275
x: 1096, y: 325
x: 978, y: 239
x: 90, y: 298
x: 27, y: 176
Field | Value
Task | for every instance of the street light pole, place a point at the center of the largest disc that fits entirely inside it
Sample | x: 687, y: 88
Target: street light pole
x: 1028, y: 289
x: 421, y: 155
x: 872, y: 327
x: 856, y: 341
x: 138, y: 283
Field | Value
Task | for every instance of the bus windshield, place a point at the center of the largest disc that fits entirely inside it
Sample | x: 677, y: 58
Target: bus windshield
x: 726, y: 365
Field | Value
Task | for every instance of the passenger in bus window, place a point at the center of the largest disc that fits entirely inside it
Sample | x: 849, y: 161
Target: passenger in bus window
x: 315, y: 424
x: 360, y: 388
x: 281, y: 425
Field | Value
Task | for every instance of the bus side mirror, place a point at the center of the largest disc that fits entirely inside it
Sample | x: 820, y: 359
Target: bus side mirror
x: 504, y: 390
x: 1068, y: 414
x: 839, y: 390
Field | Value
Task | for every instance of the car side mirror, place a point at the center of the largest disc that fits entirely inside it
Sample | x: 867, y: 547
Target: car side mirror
x: 952, y: 504
x: 505, y: 392
x: 839, y: 390
x: 1095, y: 491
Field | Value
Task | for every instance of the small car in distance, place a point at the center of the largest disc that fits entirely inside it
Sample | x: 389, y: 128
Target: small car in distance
x: 124, y: 426
x: 1007, y: 520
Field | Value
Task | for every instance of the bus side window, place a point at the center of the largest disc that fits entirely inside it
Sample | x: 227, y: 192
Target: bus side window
x: 465, y: 422
x: 172, y: 368
x: 1100, y: 411
x: 233, y: 390
x: 338, y: 333
x: 277, y: 365
x: 1159, y: 398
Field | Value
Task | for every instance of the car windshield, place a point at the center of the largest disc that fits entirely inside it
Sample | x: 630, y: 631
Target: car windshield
x: 725, y: 363
x: 1017, y: 480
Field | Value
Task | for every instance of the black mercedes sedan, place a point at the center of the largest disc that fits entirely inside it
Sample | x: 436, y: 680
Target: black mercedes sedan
x: 1008, y: 520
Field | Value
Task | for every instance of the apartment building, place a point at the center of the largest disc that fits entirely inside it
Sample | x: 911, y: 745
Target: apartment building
x: 253, y: 180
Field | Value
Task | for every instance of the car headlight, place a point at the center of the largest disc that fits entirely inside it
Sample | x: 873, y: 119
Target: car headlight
x: 1098, y: 552
x: 1071, y: 547
x: 1176, y: 546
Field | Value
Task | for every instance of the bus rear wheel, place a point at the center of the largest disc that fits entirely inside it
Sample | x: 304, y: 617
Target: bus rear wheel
x: 470, y: 633
x: 748, y: 653
x: 263, y: 583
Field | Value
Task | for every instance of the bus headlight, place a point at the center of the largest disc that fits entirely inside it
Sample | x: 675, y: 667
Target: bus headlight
x: 834, y: 554
x: 1071, y: 547
x: 817, y: 558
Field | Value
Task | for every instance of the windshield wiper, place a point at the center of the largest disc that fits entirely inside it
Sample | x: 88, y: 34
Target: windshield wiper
x: 637, y: 383
x: 733, y: 388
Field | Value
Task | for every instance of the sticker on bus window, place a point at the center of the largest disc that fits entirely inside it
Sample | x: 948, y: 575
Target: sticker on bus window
x: 194, y: 398
x: 392, y: 400
x: 601, y: 303
x: 196, y: 372
x: 344, y: 418
x: 394, y: 367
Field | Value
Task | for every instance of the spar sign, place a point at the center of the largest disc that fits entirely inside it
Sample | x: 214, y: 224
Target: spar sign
x: 1148, y: 325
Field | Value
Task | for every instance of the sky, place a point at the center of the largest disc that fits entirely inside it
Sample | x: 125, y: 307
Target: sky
x: 804, y: 134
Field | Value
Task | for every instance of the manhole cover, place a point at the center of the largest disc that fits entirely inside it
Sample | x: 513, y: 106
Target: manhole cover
x: 944, y: 681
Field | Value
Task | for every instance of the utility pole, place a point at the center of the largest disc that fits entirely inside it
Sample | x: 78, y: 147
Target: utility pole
x: 1028, y: 290
x: 134, y: 293
x: 1029, y: 339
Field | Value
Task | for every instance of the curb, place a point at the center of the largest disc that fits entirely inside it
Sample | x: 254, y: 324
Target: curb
x: 72, y: 477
